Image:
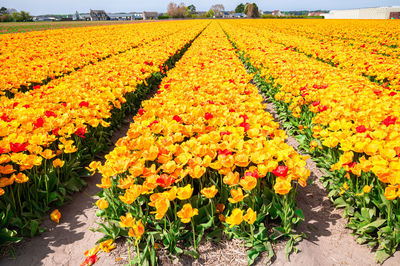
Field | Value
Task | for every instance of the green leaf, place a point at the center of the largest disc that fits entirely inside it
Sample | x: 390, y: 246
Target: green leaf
x: 340, y: 203
x: 381, y: 255
x: 192, y: 253
x: 34, y: 227
x: 372, y: 226
x: 8, y: 236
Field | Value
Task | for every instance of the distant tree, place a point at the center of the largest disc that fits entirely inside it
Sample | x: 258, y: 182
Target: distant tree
x: 210, y: 13
x: 3, y: 11
x: 252, y: 11
x: 239, y: 8
x: 192, y: 9
x: 22, y: 16
x: 11, y: 11
x: 171, y: 9
x: 218, y: 9
x: 176, y: 11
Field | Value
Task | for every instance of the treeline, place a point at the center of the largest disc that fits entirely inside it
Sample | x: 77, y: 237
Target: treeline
x: 249, y: 9
x: 10, y: 15
x: 216, y: 11
x: 182, y: 11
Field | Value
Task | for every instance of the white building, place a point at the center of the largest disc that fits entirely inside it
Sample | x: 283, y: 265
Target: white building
x: 364, y: 13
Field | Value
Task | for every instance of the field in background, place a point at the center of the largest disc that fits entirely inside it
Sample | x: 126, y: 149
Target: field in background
x: 17, y: 27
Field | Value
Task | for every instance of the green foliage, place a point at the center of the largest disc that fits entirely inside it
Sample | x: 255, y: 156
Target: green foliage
x: 239, y: 8
x: 210, y: 13
x: 22, y: 16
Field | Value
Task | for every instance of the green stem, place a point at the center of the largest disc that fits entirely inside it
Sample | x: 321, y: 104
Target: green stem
x: 252, y: 234
x: 194, y: 237
x: 212, y: 211
x: 129, y: 253
x: 390, y: 213
x: 138, y: 252
x: 286, y: 211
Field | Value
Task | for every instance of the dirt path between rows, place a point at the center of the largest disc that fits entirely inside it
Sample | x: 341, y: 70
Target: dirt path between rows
x: 328, y: 241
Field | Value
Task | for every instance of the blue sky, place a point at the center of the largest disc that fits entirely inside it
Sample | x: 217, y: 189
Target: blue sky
x: 36, y: 7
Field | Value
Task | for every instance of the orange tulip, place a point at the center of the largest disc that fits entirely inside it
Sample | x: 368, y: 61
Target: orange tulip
x: 209, y: 192
x: 187, y: 212
x: 55, y: 216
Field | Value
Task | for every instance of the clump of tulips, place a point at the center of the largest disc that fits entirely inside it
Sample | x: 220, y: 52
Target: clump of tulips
x: 201, y: 159
x: 349, y: 124
x: 48, y: 135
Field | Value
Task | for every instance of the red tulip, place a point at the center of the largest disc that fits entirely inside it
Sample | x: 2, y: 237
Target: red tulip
x: 389, y: 121
x: 80, y: 132
x: 39, y: 123
x: 208, y: 116
x: 177, y: 118
x: 165, y: 180
x: 50, y: 113
x: 83, y: 103
x: 18, y: 147
x: 280, y: 171
x: 361, y: 129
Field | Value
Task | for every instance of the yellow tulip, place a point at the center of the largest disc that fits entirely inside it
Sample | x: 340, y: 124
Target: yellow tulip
x: 209, y: 192
x: 250, y: 216
x: 102, y: 204
x: 58, y: 163
x: 237, y: 195
x: 187, y: 212
x: 235, y: 218
x: 184, y: 193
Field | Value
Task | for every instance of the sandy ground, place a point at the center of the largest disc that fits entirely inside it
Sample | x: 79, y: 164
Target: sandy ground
x: 328, y: 241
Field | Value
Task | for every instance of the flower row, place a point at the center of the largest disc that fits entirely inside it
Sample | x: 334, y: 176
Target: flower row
x: 203, y: 151
x: 349, y: 124
x: 347, y: 55
x: 48, y: 133
x: 34, y: 57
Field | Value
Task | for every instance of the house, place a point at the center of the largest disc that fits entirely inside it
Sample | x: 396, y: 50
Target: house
x: 225, y: 14
x: 97, y: 15
x: 120, y: 16
x: 276, y: 13
x: 200, y: 13
x: 150, y: 15
x: 238, y: 15
x: 137, y: 15
x: 314, y: 14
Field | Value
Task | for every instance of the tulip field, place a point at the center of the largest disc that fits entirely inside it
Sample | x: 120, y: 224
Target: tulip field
x: 202, y: 159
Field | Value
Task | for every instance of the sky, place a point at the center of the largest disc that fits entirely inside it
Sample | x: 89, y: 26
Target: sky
x: 38, y: 7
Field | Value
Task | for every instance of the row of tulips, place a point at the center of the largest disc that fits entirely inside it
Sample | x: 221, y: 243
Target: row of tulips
x: 381, y: 38
x: 50, y: 133
x: 34, y: 58
x: 348, y: 56
x: 202, y: 158
x: 347, y: 123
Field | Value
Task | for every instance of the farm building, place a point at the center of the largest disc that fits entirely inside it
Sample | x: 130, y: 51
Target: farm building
x: 364, y: 13
x: 98, y: 15
x: 120, y: 16
x: 276, y: 13
x: 150, y: 15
